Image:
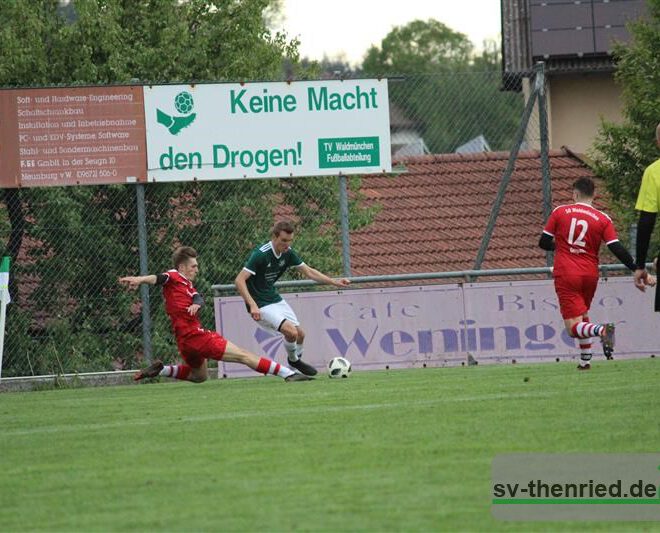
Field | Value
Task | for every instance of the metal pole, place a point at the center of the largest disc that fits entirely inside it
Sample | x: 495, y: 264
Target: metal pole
x: 345, y: 238
x: 144, y: 289
x: 497, y: 204
x: 539, y: 88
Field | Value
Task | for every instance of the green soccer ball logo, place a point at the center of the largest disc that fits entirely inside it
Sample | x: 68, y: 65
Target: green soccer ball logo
x: 184, y: 102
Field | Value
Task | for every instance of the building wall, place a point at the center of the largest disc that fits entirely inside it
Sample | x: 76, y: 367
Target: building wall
x: 576, y: 104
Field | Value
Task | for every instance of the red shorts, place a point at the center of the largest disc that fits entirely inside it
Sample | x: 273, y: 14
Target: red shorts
x: 205, y: 344
x: 575, y: 294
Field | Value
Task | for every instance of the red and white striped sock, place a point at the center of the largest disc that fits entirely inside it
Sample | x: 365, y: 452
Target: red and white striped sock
x: 586, y: 330
x: 176, y: 371
x: 268, y: 366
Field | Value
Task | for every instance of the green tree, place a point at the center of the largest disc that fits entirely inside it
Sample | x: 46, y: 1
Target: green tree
x: 419, y: 47
x: 451, y: 94
x: 115, y: 41
x: 622, y: 151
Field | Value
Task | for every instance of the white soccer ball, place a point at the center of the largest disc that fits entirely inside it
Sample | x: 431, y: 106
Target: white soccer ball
x: 339, y: 367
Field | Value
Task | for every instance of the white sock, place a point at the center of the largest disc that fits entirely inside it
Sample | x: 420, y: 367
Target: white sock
x: 299, y: 351
x: 290, y: 350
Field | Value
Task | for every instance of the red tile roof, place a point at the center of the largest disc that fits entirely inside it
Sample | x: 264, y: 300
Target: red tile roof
x: 433, y: 216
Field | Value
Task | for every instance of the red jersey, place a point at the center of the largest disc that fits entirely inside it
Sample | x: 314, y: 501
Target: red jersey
x: 578, y: 230
x: 178, y: 293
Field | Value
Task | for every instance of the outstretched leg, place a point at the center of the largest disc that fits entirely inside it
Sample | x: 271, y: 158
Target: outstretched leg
x: 182, y: 372
x: 236, y: 354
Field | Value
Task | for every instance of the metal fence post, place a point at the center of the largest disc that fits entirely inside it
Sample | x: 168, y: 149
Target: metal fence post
x: 144, y: 289
x: 345, y: 238
x: 497, y: 204
x: 539, y: 88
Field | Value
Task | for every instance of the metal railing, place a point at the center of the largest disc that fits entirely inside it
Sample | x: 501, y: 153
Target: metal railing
x: 466, y: 275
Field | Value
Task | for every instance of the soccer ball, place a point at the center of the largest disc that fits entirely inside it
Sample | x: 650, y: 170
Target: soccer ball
x: 183, y: 102
x: 338, y: 367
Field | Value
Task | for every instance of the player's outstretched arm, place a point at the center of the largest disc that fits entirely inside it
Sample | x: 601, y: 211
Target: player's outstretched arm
x: 320, y: 277
x: 133, y: 282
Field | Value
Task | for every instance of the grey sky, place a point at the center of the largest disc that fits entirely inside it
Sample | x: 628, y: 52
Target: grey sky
x: 346, y: 28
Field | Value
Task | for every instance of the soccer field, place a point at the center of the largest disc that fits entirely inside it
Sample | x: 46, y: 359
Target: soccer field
x: 398, y: 450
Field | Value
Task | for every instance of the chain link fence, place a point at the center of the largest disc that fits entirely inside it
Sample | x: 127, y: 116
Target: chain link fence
x: 70, y: 245
x: 464, y: 112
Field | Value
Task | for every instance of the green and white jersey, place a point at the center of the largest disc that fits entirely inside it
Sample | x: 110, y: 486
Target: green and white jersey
x: 266, y: 268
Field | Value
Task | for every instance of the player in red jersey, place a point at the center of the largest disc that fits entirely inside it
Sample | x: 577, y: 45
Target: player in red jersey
x: 575, y: 232
x: 196, y: 345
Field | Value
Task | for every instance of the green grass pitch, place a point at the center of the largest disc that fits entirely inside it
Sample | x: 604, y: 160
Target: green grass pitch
x: 404, y: 450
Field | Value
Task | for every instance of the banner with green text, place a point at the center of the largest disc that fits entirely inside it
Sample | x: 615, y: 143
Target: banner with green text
x: 267, y: 130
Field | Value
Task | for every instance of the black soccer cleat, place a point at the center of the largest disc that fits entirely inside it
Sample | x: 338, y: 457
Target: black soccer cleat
x: 585, y: 367
x: 152, y: 371
x: 303, y: 367
x: 298, y: 377
x: 608, y: 341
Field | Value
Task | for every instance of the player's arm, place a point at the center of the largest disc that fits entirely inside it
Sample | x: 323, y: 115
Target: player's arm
x: 197, y: 303
x: 647, y: 205
x: 622, y: 254
x: 320, y: 277
x: 547, y: 242
x: 241, y: 286
x: 133, y: 282
x: 645, y: 226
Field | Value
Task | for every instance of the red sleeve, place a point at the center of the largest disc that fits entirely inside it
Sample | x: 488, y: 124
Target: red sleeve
x: 609, y: 234
x: 551, y: 224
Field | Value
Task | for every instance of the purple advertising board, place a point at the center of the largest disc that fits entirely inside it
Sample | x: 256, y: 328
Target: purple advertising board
x: 440, y: 325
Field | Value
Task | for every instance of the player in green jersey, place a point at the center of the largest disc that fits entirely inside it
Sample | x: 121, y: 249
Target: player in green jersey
x: 256, y: 284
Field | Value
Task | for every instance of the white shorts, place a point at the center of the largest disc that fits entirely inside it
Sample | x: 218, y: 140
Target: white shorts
x: 272, y: 315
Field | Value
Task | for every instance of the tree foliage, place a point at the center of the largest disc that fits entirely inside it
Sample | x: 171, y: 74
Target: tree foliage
x: 451, y: 94
x: 115, y: 41
x: 622, y: 151
x: 419, y: 47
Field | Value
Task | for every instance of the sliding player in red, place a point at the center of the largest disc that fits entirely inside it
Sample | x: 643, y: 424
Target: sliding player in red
x: 576, y: 231
x: 196, y: 345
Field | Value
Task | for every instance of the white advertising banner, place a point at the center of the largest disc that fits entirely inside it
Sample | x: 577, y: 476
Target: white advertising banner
x: 267, y: 130
x: 441, y: 325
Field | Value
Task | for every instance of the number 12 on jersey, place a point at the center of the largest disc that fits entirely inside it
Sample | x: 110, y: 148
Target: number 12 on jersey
x: 584, y: 226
